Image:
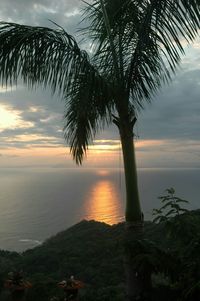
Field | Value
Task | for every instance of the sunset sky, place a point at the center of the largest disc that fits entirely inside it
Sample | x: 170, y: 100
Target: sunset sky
x: 31, y: 122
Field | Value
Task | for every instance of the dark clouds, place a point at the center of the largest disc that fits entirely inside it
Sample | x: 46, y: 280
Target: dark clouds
x: 48, y: 119
x: 39, y: 108
x: 38, y: 13
x: 174, y: 114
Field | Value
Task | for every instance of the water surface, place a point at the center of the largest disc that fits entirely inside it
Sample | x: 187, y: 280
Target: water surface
x: 36, y: 204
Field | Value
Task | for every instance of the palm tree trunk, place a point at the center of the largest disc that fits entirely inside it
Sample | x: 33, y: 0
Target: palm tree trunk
x: 133, y: 209
x: 135, y: 282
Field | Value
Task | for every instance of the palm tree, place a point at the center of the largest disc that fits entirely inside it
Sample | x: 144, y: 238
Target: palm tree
x: 136, y: 46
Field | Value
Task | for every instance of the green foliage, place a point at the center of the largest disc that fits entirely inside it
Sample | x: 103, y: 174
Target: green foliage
x: 171, y: 206
x: 189, y: 283
x: 93, y: 253
x: 181, y: 234
x: 134, y: 44
x: 178, y: 222
x: 90, y: 251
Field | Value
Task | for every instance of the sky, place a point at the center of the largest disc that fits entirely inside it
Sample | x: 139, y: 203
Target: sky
x: 31, y: 122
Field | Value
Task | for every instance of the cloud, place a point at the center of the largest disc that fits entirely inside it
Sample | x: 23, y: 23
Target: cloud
x: 175, y: 111
x: 37, y: 108
x: 170, y: 125
x: 31, y: 12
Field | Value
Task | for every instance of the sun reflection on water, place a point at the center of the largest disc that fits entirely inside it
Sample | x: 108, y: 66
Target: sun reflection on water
x: 102, y: 203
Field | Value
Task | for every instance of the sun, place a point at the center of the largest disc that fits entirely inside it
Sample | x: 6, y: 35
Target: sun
x: 7, y: 118
x: 10, y: 118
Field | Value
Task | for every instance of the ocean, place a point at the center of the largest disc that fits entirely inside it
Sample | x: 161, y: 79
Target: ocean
x: 36, y: 204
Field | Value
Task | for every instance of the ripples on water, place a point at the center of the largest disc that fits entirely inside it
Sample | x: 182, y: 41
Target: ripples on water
x: 102, y: 203
x: 37, y: 204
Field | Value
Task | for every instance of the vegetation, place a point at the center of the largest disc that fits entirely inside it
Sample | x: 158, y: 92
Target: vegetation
x: 93, y: 252
x: 171, y: 206
x: 135, y: 46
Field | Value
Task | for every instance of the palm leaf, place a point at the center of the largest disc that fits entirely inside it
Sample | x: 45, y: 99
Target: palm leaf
x: 131, y: 49
x: 88, y: 109
x: 43, y: 56
x: 147, y: 36
x: 40, y: 56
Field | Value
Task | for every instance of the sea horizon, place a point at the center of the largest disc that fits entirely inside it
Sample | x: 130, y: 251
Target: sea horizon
x: 45, y: 201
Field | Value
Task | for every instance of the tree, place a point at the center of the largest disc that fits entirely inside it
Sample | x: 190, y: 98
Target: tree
x: 136, y: 46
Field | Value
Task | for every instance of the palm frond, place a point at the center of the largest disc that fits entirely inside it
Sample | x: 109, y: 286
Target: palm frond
x: 88, y: 108
x: 167, y: 24
x: 40, y: 56
x: 43, y: 56
x: 108, y: 55
x: 129, y: 63
x: 148, y: 36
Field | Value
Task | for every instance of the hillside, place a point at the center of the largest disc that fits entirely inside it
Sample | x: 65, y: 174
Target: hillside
x: 93, y: 252
x: 83, y: 250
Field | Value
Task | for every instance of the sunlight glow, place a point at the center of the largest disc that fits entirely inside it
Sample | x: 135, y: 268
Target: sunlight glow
x: 4, y: 89
x: 11, y: 119
x: 34, y: 137
x: 104, y: 147
x: 7, y: 118
x: 102, y: 203
x: 40, y: 150
x: 102, y: 172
